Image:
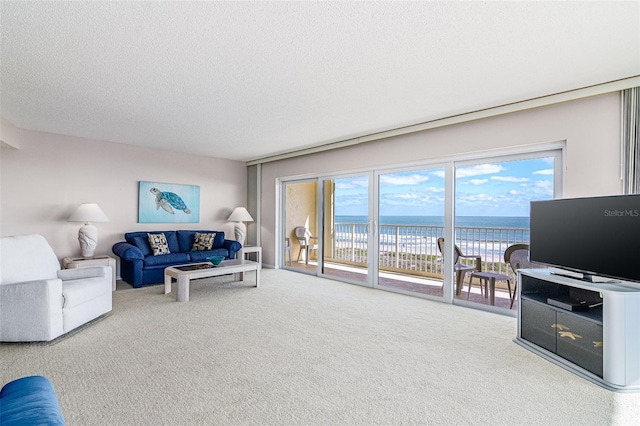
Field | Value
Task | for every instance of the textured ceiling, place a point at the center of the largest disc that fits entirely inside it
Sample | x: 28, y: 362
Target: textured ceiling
x: 245, y: 80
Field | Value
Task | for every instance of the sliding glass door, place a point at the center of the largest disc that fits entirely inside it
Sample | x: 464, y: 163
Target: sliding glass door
x: 385, y: 234
x: 437, y: 231
x: 300, y: 242
x: 410, y: 220
x: 492, y: 213
x: 347, y: 228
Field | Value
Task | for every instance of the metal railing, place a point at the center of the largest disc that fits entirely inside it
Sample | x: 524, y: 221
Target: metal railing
x: 414, y: 249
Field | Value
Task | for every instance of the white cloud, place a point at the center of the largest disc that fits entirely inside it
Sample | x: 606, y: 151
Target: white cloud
x: 481, y: 169
x: 478, y: 181
x: 479, y: 197
x: 356, y: 183
x: 433, y: 190
x: 543, y: 188
x: 543, y: 172
x: 405, y: 196
x: 403, y: 180
x: 510, y: 179
x: 344, y: 185
x: 353, y: 200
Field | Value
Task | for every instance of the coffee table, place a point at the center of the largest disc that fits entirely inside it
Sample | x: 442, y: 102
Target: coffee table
x: 185, y: 273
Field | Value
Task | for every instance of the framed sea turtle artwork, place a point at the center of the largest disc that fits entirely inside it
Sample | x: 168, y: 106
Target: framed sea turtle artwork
x: 168, y: 203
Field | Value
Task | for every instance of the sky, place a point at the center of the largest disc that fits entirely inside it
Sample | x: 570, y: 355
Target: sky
x: 490, y: 189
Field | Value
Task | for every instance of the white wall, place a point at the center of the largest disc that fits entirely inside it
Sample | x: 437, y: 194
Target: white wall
x: 590, y: 127
x: 9, y: 135
x: 50, y: 175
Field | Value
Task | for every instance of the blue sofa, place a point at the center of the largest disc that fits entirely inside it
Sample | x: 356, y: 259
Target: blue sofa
x: 139, y: 266
x: 29, y: 401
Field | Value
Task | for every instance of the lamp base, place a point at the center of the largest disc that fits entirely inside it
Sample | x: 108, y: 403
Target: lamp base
x: 240, y: 230
x: 88, y: 238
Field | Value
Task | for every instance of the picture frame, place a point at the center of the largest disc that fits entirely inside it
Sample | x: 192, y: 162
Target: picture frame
x: 160, y: 202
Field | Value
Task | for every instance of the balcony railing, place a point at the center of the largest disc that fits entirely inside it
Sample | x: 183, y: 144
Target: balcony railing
x: 413, y: 248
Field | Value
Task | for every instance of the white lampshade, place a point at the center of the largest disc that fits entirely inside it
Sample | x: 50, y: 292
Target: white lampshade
x: 88, y: 233
x: 88, y: 212
x: 240, y: 214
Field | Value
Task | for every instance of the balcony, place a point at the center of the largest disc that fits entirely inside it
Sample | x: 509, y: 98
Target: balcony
x: 409, y: 259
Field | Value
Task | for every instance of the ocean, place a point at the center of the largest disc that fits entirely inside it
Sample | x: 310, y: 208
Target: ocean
x: 489, y: 235
x: 461, y: 221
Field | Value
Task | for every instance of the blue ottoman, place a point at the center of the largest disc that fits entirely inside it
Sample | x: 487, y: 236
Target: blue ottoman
x: 29, y: 401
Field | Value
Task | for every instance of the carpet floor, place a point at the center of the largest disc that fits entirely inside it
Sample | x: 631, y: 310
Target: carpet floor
x: 302, y: 350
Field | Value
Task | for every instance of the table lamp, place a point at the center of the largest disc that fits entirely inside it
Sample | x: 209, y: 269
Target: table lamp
x: 240, y: 215
x: 88, y: 233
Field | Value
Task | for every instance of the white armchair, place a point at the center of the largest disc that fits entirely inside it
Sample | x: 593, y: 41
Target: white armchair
x: 38, y: 301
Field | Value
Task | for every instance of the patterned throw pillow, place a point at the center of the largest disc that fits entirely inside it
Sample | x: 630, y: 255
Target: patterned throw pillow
x: 158, y: 243
x: 203, y: 241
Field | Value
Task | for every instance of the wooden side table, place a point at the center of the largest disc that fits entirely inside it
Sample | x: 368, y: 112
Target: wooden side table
x: 83, y: 262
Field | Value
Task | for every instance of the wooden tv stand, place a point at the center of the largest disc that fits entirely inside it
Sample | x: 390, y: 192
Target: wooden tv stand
x: 598, y: 339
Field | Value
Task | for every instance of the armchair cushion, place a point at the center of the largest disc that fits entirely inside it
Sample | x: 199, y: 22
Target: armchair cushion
x: 77, y: 292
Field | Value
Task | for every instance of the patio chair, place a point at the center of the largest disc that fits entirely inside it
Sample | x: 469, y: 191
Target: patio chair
x: 460, y: 268
x: 304, y: 239
x: 517, y: 256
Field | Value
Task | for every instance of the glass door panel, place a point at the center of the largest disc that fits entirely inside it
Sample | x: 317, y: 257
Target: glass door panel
x: 346, y: 229
x: 300, y: 211
x: 411, y: 219
x: 492, y: 213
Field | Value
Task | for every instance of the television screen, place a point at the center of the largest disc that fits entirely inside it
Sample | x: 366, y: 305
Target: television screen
x: 596, y: 236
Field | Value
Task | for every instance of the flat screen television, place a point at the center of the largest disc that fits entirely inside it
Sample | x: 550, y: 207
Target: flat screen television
x: 597, y: 236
